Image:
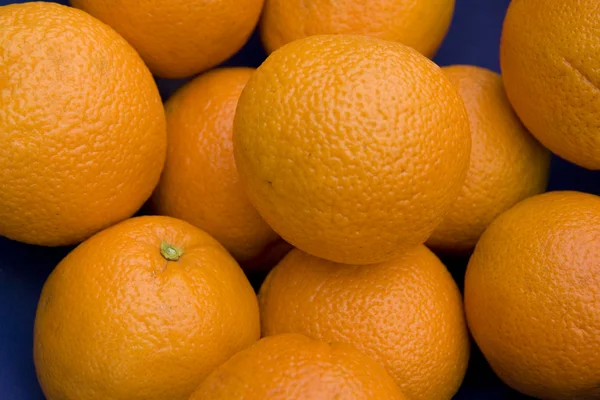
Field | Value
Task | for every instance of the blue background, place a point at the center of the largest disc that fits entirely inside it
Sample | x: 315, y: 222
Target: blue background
x: 473, y: 39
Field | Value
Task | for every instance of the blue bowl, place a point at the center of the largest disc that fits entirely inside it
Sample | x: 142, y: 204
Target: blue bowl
x: 474, y: 38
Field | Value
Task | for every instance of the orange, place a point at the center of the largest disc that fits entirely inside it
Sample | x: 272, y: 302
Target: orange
x: 352, y: 148
x: 143, y: 310
x: 549, y: 58
x: 179, y: 38
x: 405, y: 313
x: 294, y: 367
x: 532, y: 296
x: 82, y: 126
x: 421, y: 24
x: 200, y: 182
x: 507, y: 163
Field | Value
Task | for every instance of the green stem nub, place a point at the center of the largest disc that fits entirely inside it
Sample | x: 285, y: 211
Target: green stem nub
x: 171, y: 253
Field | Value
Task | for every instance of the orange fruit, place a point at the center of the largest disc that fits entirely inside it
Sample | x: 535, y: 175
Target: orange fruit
x: 340, y: 167
x: 421, y: 24
x: 405, y: 313
x: 179, y: 38
x: 507, y: 163
x: 549, y: 59
x: 81, y: 125
x: 200, y: 182
x: 143, y: 310
x: 532, y: 296
x: 294, y: 367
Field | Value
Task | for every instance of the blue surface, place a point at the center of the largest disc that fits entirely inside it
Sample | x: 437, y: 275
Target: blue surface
x: 473, y: 39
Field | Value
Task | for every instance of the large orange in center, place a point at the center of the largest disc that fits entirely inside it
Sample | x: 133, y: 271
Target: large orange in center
x: 352, y: 148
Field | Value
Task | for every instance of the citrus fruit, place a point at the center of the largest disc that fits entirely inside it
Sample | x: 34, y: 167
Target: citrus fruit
x: 200, y: 182
x: 82, y: 126
x: 294, y: 367
x: 532, y: 296
x: 406, y: 313
x: 507, y: 164
x: 145, y: 309
x: 421, y: 24
x: 350, y: 147
x: 179, y: 38
x: 549, y: 59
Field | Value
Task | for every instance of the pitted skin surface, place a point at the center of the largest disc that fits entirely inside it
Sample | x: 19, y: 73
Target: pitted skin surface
x: 82, y: 126
x: 351, y: 148
x: 294, y: 367
x: 551, y: 69
x: 406, y: 313
x: 532, y: 296
x: 117, y: 321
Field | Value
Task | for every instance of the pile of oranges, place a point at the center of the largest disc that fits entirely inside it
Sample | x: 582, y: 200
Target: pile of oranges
x: 343, y: 164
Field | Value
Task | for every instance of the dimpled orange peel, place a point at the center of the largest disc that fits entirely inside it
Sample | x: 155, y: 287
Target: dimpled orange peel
x: 352, y: 148
x: 82, y: 127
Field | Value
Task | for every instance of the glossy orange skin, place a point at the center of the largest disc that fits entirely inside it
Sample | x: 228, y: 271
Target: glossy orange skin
x: 82, y: 126
x: 405, y: 313
x: 294, y: 367
x: 200, y: 182
x: 532, y: 296
x: 507, y: 164
x: 421, y: 24
x: 551, y: 69
x: 117, y: 321
x: 179, y: 38
x: 341, y: 167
